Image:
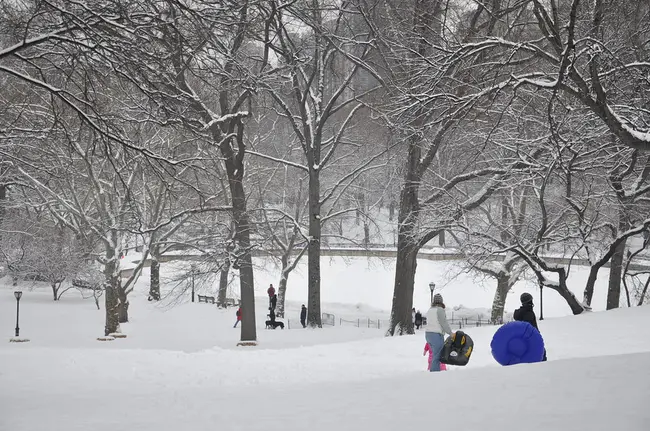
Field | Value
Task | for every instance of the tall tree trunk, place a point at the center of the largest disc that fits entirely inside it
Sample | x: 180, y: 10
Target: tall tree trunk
x: 123, y: 305
x: 111, y: 286
x: 3, y: 197
x: 615, y: 272
x: 616, y: 265
x: 282, y: 286
x: 366, y: 233
x: 245, y: 262
x: 627, y: 292
x: 401, y: 321
x: 223, y: 283
x: 154, y: 279
x: 313, y: 250
x: 55, y: 291
x: 234, y: 163
x: 499, y: 302
x: 591, y: 282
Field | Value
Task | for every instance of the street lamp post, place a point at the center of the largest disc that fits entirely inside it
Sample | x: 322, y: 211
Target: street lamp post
x: 432, y: 287
x: 193, y: 269
x: 18, y: 294
x: 541, y: 302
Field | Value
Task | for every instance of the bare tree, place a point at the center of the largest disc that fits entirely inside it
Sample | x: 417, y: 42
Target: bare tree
x: 505, y: 215
x: 595, y: 52
x: 322, y: 109
x: 440, y: 82
x: 282, y: 225
x: 202, y: 64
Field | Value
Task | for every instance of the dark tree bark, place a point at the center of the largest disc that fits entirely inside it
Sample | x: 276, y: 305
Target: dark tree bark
x: 154, y: 280
x: 223, y: 283
x: 313, y: 248
x: 500, y: 296
x: 56, y: 287
x: 111, y: 286
x: 234, y: 163
x: 615, y: 274
x: 3, y: 198
x: 591, y: 283
x: 123, y: 305
x: 407, y: 246
x: 282, y: 286
x: 569, y: 297
x: 401, y: 318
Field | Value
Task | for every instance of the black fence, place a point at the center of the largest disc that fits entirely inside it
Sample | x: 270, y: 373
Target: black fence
x: 328, y: 319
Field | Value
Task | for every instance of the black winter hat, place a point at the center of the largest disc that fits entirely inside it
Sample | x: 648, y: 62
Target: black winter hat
x: 526, y: 298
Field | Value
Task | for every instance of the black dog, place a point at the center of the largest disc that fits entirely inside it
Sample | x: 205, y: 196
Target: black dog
x: 272, y: 325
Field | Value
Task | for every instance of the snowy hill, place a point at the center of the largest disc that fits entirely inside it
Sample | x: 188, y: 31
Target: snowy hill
x: 179, y: 369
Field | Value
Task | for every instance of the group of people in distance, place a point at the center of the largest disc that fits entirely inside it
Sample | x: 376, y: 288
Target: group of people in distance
x: 272, y: 323
x: 438, y: 326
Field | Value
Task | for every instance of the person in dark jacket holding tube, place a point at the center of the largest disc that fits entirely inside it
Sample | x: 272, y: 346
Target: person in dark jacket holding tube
x: 526, y: 313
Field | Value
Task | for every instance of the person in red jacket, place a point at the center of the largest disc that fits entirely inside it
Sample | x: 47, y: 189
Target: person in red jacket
x: 238, y: 317
x: 271, y: 292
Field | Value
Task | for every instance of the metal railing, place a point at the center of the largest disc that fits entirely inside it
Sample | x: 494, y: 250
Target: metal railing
x: 329, y: 319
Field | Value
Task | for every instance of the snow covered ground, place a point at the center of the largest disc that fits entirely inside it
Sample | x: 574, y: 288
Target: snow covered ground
x: 369, y: 282
x: 179, y: 368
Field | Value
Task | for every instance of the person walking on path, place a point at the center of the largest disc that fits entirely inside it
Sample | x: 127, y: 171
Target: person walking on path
x: 238, y: 314
x: 303, y: 316
x: 437, y: 326
x: 526, y: 313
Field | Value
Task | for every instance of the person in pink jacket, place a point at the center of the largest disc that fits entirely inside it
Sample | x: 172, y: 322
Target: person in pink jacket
x: 427, y: 349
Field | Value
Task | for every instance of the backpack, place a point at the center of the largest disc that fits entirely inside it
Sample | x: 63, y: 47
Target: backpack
x: 238, y: 312
x: 457, y: 349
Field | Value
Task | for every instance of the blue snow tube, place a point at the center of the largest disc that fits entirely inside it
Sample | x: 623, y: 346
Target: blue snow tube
x: 516, y: 343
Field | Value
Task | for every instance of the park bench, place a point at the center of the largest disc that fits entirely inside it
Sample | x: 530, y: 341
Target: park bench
x: 206, y: 299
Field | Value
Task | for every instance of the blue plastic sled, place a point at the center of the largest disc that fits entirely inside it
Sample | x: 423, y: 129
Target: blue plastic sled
x: 516, y: 343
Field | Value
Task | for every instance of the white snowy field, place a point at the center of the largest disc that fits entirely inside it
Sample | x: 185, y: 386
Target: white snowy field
x: 352, y: 288
x: 179, y: 367
x: 369, y: 282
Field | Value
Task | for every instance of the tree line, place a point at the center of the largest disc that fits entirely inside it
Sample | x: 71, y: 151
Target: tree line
x: 519, y: 128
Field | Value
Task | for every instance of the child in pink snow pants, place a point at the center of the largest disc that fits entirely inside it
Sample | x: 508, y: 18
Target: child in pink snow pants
x: 427, y: 349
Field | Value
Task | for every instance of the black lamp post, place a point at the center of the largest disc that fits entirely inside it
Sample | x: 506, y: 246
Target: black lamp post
x: 18, y: 294
x: 541, y: 302
x: 193, y: 269
x: 432, y: 287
